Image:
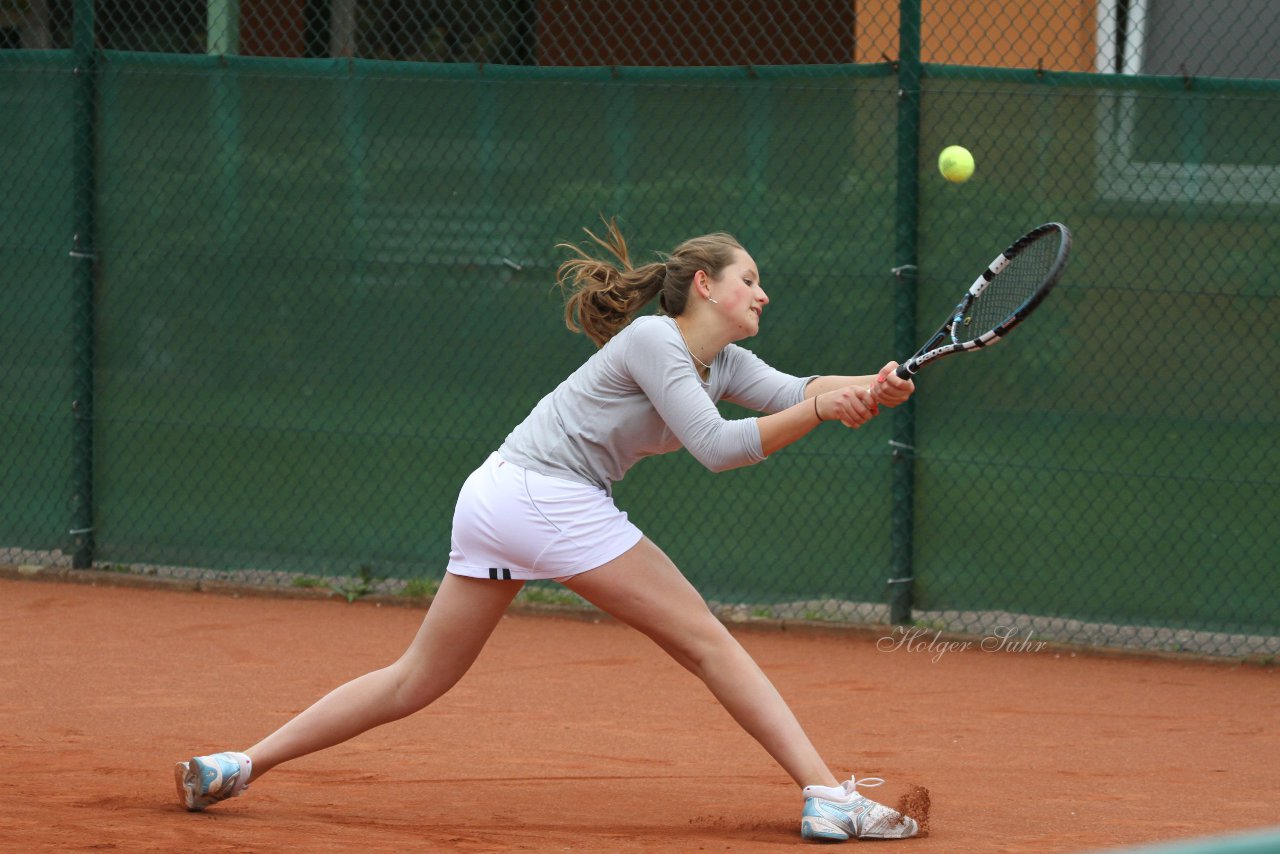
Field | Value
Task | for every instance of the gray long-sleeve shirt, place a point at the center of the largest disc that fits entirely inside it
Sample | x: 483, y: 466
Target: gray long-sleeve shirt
x: 640, y: 395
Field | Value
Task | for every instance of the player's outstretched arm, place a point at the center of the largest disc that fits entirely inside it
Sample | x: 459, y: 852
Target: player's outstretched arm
x: 852, y: 405
x: 851, y: 400
x: 888, y: 389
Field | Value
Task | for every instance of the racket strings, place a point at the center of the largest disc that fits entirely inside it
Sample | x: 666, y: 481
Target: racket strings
x: 1010, y: 290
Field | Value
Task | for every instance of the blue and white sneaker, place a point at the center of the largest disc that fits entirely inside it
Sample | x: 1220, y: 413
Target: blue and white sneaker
x: 206, y: 780
x: 837, y: 813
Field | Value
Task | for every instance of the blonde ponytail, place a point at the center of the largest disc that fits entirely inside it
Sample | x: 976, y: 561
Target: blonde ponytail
x: 603, y: 296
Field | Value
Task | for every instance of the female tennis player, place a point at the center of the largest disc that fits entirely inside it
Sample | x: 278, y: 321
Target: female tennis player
x: 540, y: 507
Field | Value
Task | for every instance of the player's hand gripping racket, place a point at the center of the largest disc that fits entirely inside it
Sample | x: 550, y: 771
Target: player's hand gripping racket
x: 1004, y: 295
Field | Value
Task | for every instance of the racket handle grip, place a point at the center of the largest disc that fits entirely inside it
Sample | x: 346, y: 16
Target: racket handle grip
x: 903, y: 373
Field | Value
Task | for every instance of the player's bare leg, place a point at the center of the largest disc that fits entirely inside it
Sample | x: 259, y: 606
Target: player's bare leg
x: 462, y: 615
x: 644, y: 589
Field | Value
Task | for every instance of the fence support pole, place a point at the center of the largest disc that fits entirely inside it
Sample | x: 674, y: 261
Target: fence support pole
x: 84, y: 266
x: 222, y: 27
x: 902, y: 524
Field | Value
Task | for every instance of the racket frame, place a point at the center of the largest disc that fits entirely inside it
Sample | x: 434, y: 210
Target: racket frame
x: 935, y: 348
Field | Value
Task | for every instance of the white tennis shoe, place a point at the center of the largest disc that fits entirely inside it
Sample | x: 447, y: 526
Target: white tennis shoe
x: 837, y: 813
x: 205, y: 780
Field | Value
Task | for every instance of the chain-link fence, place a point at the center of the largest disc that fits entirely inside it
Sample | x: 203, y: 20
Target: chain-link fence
x: 277, y: 276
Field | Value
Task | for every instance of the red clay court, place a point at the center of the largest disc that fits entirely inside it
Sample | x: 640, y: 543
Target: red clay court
x: 580, y: 735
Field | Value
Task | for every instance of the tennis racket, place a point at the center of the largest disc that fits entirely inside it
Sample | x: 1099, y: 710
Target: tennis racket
x: 1004, y: 295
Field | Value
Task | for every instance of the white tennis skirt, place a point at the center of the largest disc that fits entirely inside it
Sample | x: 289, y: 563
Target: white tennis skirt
x: 514, y: 523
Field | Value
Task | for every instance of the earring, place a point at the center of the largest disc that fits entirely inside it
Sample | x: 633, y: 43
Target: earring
x: 713, y: 302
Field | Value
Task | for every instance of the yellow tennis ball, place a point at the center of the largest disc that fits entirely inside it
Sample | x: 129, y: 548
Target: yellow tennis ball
x: 956, y: 164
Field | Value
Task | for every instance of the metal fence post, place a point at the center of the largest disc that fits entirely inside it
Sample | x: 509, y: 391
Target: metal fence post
x: 902, y: 572
x: 84, y: 265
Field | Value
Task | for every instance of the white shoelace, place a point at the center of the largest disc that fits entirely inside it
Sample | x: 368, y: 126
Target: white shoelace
x: 851, y: 785
x: 845, y: 790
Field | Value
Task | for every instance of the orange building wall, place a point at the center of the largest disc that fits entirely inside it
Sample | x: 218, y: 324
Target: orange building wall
x: 1056, y: 34
x: 1061, y: 36
x: 779, y: 32
x: 271, y: 28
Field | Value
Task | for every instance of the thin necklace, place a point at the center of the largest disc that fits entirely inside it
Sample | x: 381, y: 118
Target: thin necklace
x: 686, y: 345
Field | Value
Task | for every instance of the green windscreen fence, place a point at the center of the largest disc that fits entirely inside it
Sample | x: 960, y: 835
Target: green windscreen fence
x: 273, y: 286
x: 36, y: 303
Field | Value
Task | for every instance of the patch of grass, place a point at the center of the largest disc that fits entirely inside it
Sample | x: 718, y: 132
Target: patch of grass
x: 361, y: 585
x: 549, y: 595
x: 309, y: 582
x: 420, y: 588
